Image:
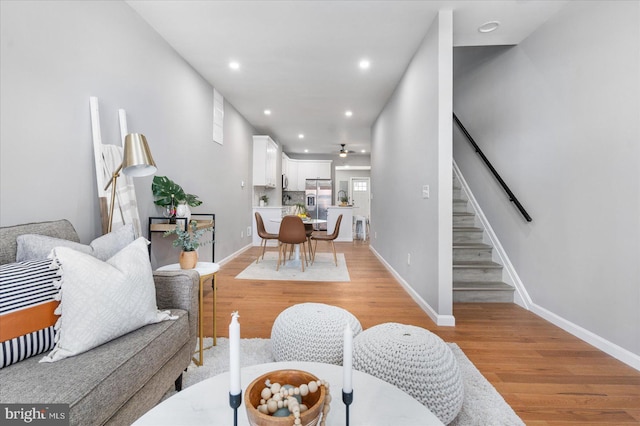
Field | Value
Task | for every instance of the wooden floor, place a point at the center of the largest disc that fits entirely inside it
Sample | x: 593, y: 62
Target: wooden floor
x: 548, y: 376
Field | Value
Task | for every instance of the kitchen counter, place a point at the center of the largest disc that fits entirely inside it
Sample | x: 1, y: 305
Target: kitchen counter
x: 346, y: 226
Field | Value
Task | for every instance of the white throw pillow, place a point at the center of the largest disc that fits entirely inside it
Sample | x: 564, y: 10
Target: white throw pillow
x: 36, y: 247
x: 100, y: 301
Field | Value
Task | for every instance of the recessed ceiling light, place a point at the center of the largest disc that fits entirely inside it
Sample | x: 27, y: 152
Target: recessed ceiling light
x: 348, y: 113
x: 362, y: 151
x: 488, y: 27
x: 364, y: 64
x: 267, y: 112
x: 300, y: 136
x: 306, y: 150
x: 234, y: 65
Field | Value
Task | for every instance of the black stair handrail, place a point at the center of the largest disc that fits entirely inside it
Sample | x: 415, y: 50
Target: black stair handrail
x: 512, y: 197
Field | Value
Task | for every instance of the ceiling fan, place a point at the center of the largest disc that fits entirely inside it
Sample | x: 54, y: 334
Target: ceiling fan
x: 343, y: 152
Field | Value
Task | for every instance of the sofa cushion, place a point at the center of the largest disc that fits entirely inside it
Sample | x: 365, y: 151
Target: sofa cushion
x: 34, y: 246
x: 97, y: 383
x: 100, y: 301
x: 8, y: 235
x: 26, y: 310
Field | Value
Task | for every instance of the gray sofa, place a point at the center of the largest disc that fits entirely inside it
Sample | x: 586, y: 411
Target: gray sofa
x: 119, y: 381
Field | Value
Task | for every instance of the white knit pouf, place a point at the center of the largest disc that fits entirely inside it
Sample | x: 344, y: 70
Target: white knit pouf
x: 312, y: 332
x: 414, y: 360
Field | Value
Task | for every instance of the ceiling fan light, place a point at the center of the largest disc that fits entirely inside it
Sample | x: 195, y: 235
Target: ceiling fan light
x: 343, y: 154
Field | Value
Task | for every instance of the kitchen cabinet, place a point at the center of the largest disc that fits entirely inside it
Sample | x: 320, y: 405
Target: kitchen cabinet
x: 292, y: 175
x: 265, y: 153
x: 346, y: 226
x: 298, y: 171
x: 312, y: 169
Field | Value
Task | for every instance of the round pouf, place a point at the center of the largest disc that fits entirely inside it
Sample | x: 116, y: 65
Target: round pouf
x: 312, y: 332
x: 414, y: 360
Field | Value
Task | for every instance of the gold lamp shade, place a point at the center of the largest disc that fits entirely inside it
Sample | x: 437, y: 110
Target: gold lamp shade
x: 137, y: 160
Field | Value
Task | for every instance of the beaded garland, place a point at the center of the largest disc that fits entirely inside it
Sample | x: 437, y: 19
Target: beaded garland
x: 276, y: 397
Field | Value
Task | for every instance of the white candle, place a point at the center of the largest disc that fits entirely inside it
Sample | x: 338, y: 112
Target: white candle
x: 234, y: 355
x: 347, y: 360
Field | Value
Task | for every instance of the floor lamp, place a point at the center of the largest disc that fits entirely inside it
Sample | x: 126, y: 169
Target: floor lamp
x: 136, y: 162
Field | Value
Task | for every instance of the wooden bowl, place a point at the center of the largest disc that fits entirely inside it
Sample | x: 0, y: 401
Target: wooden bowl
x: 314, y: 401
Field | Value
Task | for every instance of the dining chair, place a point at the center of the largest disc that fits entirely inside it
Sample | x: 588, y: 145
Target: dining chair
x: 308, y: 227
x: 326, y: 237
x: 292, y: 232
x: 262, y: 233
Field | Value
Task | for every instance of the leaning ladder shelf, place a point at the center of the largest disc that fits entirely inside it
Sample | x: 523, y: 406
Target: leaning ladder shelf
x: 161, y: 224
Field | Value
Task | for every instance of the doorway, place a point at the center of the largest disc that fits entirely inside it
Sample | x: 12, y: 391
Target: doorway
x: 360, y: 195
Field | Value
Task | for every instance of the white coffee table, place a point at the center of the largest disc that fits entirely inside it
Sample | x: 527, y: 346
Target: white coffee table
x: 375, y: 402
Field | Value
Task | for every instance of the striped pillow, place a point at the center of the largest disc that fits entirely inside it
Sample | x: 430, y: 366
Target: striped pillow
x: 27, y: 304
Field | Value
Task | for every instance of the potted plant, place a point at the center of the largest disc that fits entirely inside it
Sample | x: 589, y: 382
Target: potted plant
x: 188, y: 240
x: 170, y: 195
x: 264, y: 200
x: 342, y: 196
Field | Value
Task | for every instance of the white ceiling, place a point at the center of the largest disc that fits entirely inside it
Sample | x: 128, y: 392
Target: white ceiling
x: 300, y: 58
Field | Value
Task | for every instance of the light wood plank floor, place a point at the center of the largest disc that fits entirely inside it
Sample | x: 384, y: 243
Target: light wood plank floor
x: 548, y: 376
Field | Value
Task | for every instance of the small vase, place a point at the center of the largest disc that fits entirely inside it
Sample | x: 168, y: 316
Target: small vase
x: 183, y: 210
x: 188, y: 259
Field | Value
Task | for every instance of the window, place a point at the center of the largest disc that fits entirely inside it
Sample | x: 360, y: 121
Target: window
x: 360, y: 185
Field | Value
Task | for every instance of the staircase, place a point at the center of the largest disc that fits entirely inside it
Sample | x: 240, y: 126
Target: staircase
x: 476, y: 277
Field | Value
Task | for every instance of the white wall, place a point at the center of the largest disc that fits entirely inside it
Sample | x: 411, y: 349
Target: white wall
x: 54, y: 56
x: 411, y: 140
x: 559, y: 117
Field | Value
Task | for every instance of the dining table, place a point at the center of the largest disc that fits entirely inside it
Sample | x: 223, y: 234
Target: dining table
x: 308, y: 226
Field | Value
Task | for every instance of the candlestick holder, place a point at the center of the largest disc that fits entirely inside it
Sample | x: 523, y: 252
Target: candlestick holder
x: 347, y: 398
x: 234, y: 402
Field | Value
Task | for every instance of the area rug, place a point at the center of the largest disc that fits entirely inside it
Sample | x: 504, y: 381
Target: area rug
x: 482, y: 405
x: 323, y: 269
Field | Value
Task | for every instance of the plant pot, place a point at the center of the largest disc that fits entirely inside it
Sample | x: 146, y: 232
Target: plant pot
x: 188, y: 259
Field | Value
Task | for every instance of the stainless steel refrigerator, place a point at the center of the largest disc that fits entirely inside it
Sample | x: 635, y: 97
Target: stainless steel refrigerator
x: 318, y: 199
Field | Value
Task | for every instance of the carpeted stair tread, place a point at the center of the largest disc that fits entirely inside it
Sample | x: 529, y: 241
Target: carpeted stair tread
x: 481, y: 286
x: 471, y: 264
x: 471, y: 245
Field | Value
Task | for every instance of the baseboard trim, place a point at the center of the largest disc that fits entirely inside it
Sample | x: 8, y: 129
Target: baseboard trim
x: 233, y: 255
x: 619, y: 353
x: 441, y: 320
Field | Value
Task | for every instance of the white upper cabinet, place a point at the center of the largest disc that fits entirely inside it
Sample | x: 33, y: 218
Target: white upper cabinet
x: 285, y: 164
x: 265, y: 153
x: 298, y: 171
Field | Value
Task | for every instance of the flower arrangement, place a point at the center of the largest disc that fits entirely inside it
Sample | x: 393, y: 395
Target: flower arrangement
x: 301, y: 210
x: 189, y: 240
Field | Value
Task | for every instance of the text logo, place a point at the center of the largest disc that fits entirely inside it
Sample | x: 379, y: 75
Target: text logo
x: 34, y: 414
